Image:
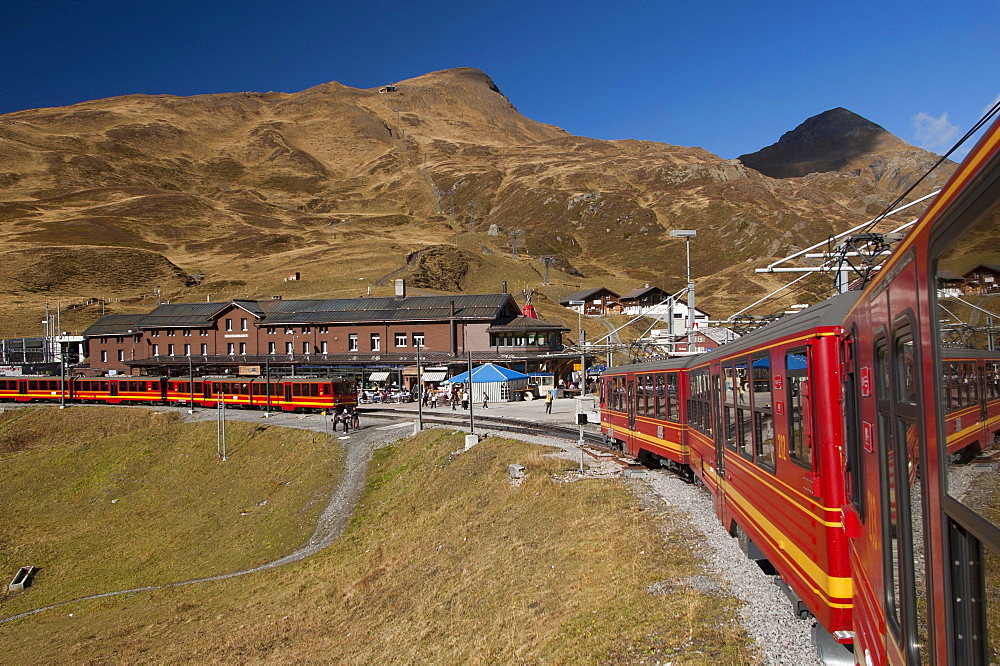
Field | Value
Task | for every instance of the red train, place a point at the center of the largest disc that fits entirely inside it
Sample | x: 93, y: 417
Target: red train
x: 281, y: 393
x: 854, y: 445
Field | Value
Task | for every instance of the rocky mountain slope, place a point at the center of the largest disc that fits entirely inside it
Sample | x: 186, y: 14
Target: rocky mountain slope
x: 219, y: 196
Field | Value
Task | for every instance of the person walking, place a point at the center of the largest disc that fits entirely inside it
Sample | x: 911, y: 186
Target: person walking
x: 465, y: 399
x: 454, y: 400
x: 486, y: 400
x: 548, y: 402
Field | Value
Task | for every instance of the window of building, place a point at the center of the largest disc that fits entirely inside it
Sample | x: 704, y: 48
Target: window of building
x: 171, y: 333
x: 324, y: 329
x: 243, y: 348
x: 243, y: 323
x: 121, y: 354
x: 352, y: 342
x: 307, y: 329
x: 418, y: 339
x: 229, y: 324
x: 231, y: 348
x: 305, y: 347
x: 400, y: 339
x: 376, y: 342
x: 204, y: 349
x: 288, y: 348
x: 186, y: 333
x: 270, y: 348
x: 204, y: 332
x: 271, y: 330
x: 119, y: 340
x: 322, y: 347
x: 170, y: 350
x: 154, y: 333
x: 289, y: 331
x: 104, y: 355
x: 187, y: 350
x: 156, y: 350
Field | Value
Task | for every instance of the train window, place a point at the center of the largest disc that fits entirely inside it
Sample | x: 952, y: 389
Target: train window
x: 744, y: 431
x: 729, y: 404
x: 967, y: 257
x: 800, y: 447
x: 640, y: 395
x: 673, y: 404
x: 763, y: 412
x: 661, y: 396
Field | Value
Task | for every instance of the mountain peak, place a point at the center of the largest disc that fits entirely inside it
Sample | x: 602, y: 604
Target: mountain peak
x: 829, y: 141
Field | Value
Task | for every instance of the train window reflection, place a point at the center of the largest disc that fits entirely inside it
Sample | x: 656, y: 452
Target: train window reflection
x: 968, y: 336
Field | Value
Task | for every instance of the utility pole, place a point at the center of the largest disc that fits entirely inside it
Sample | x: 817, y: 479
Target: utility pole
x: 687, y: 235
x: 514, y: 236
x: 547, y: 261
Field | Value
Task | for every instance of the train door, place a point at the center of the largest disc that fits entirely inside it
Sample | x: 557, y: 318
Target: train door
x: 288, y: 393
x: 718, y: 430
x: 113, y: 388
x: 630, y: 395
x: 897, y: 431
x: 22, y: 387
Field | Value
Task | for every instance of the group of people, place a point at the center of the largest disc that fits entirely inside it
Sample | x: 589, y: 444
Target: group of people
x: 349, y: 417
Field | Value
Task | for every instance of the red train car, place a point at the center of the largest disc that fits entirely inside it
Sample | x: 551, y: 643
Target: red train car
x: 970, y: 385
x: 282, y: 393
x: 758, y: 422
x: 924, y: 524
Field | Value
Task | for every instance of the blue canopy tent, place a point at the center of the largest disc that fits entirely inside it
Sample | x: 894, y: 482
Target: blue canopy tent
x: 498, y: 383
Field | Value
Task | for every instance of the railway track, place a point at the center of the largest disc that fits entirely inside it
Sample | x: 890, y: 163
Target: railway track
x: 461, y: 420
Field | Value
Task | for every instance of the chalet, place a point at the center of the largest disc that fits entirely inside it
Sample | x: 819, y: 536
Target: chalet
x: 950, y: 284
x: 705, y: 339
x: 600, y: 301
x: 983, y: 279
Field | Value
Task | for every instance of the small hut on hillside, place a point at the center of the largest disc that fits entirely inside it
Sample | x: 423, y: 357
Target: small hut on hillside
x: 498, y: 383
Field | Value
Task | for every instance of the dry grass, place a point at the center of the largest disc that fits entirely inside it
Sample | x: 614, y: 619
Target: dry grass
x: 109, y: 499
x: 443, y: 562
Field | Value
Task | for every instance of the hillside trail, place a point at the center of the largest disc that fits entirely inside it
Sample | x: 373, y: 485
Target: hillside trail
x: 359, y: 445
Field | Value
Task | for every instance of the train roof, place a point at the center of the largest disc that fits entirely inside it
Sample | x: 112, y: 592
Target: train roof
x: 830, y: 312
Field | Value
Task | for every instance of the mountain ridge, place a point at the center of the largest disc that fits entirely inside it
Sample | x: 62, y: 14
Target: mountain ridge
x: 244, y: 187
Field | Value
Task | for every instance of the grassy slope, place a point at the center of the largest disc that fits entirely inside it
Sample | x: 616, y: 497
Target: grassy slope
x: 445, y: 562
x: 110, y: 499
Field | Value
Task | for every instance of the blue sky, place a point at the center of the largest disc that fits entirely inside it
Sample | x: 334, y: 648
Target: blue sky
x: 729, y: 76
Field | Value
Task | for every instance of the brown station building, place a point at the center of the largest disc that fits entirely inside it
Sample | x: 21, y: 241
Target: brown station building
x: 370, y: 339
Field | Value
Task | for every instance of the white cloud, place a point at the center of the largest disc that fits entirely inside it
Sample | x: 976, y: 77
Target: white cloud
x: 986, y: 109
x: 934, y: 134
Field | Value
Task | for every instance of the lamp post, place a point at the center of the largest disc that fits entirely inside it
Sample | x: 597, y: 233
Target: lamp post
x: 583, y: 353
x: 191, y: 383
x: 687, y: 235
x: 369, y: 285
x: 420, y: 390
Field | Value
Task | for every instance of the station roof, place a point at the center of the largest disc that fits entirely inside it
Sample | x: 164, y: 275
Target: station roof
x: 278, y: 312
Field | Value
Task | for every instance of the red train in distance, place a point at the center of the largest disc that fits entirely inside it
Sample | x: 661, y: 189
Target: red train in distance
x: 858, y: 450
x: 288, y: 394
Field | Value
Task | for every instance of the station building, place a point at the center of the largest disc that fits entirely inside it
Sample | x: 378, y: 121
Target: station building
x: 364, y: 338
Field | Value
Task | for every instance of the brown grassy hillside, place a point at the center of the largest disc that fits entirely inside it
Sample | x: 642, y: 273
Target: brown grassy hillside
x: 338, y: 183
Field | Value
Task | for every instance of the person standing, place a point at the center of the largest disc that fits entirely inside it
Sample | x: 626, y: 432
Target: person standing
x: 486, y: 400
x: 465, y: 399
x: 548, y: 402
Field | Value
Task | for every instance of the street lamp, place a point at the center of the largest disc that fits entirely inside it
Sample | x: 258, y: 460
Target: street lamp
x: 369, y: 285
x: 583, y: 353
x: 687, y: 235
